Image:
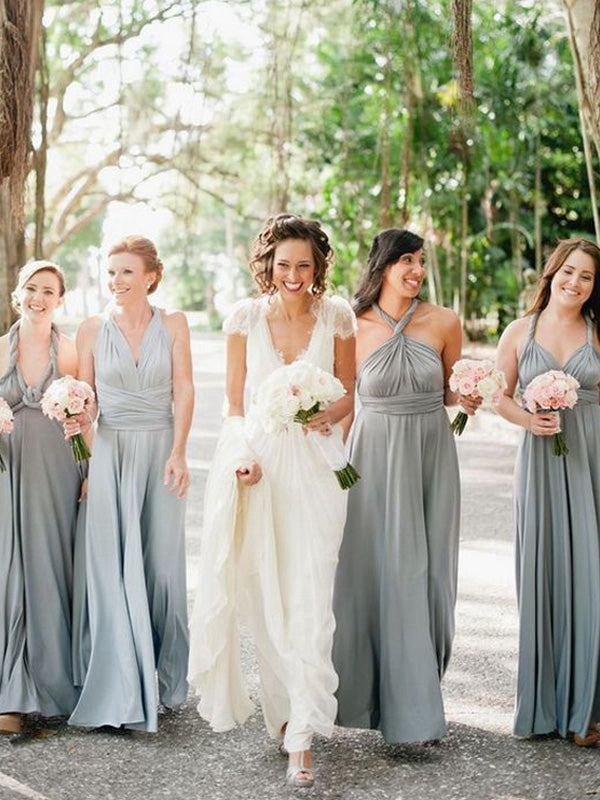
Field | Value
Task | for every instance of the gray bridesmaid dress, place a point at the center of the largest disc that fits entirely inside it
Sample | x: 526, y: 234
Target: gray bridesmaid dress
x: 135, y: 540
x: 557, y: 508
x: 396, y: 581
x: 38, y: 500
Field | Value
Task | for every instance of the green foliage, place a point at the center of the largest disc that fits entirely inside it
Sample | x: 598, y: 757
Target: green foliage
x: 350, y: 113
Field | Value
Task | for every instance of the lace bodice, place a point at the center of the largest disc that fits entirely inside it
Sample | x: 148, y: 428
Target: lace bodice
x: 334, y: 318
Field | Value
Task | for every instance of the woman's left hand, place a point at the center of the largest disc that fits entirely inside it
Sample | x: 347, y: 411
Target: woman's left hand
x: 177, y: 478
x: 321, y: 423
x: 469, y: 404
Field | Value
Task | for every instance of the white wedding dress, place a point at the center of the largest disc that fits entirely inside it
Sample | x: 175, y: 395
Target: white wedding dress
x: 269, y: 553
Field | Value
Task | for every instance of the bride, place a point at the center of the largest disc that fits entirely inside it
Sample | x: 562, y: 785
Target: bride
x: 274, y: 513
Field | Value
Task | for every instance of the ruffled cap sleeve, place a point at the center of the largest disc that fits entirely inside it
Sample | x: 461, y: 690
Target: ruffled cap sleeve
x: 342, y: 318
x: 242, y: 317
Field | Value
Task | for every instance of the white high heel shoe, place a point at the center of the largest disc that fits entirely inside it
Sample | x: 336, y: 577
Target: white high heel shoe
x: 299, y: 775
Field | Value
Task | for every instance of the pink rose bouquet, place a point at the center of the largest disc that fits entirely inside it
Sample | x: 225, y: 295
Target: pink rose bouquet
x: 6, y: 425
x: 64, y: 398
x: 552, y: 391
x: 472, y: 378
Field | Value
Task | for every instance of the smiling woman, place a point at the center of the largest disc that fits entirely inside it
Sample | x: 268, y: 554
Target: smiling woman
x: 557, y: 500
x: 38, y: 498
x: 274, y: 511
x: 396, y: 580
x: 138, y: 359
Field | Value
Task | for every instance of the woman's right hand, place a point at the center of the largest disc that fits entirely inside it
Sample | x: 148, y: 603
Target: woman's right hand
x: 544, y: 423
x: 469, y: 404
x: 80, y: 423
x: 248, y: 476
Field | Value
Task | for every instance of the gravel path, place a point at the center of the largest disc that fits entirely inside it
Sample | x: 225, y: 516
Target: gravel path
x: 479, y: 760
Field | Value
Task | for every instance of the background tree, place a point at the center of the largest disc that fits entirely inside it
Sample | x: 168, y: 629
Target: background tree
x: 353, y: 111
x: 20, y: 25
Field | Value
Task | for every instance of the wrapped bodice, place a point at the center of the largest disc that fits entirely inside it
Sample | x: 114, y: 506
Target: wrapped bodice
x: 134, y: 396
x: 13, y: 388
x: 583, y: 364
x: 403, y: 375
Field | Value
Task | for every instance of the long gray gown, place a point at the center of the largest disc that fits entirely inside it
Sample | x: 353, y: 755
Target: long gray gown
x: 135, y: 540
x: 396, y: 581
x: 557, y: 509
x: 38, y: 511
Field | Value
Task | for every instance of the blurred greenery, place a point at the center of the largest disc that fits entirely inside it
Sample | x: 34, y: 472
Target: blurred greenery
x: 347, y: 111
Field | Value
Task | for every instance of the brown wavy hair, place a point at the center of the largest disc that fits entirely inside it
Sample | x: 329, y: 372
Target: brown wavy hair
x: 27, y: 272
x: 288, y: 226
x: 387, y: 248
x: 556, y: 259
x: 146, y: 250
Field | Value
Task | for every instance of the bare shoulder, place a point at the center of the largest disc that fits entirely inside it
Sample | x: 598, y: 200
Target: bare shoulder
x: 368, y: 319
x: 67, y: 355
x: 441, y: 318
x: 438, y: 313
x: 4, y: 346
x: 66, y: 344
x: 515, y: 332
x: 89, y: 328
x: 175, y: 322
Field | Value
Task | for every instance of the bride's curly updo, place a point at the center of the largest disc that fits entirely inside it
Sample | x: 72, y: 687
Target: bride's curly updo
x: 288, y: 226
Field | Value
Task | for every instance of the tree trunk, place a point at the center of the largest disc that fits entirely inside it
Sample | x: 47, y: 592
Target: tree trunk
x: 464, y: 253
x: 434, y: 278
x: 41, y: 154
x: 538, y: 208
x: 515, y: 240
x: 583, y: 24
x: 9, y: 260
x: 20, y: 25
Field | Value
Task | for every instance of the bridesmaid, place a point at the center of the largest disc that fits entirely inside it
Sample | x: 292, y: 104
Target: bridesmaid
x: 138, y: 359
x: 38, y: 497
x: 396, y: 580
x: 557, y: 501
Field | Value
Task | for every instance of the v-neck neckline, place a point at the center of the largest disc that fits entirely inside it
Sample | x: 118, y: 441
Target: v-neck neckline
x: 48, y: 369
x: 136, y: 363
x: 277, y: 353
x: 562, y: 367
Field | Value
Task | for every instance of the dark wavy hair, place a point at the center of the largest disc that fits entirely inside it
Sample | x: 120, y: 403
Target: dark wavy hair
x: 556, y: 259
x: 288, y: 226
x: 387, y: 248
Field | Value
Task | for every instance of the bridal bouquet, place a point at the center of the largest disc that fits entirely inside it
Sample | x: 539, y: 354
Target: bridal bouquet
x: 552, y: 391
x: 293, y: 394
x: 475, y: 379
x: 6, y: 425
x: 64, y: 398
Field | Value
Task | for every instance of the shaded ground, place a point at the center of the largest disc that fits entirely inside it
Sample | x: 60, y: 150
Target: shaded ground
x: 479, y: 760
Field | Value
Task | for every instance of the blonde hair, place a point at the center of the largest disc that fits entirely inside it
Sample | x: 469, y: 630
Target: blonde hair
x: 146, y: 250
x: 27, y: 272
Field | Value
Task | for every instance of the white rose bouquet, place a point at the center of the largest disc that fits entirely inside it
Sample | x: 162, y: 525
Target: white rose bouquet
x: 552, y: 391
x: 293, y: 394
x: 6, y: 425
x: 473, y: 378
x: 67, y: 397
